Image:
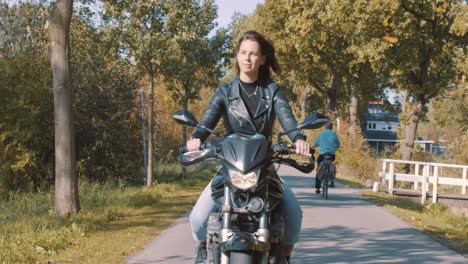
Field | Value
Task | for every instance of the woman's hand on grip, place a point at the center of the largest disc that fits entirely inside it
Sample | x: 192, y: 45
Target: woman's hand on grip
x: 193, y: 144
x: 302, y: 147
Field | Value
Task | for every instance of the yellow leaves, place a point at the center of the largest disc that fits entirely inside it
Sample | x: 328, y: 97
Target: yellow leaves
x: 303, y: 32
x: 18, y: 154
x: 390, y: 39
x: 23, y: 158
x: 4, y: 135
x: 167, y: 99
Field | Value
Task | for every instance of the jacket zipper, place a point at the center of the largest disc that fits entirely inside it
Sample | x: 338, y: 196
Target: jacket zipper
x: 248, y: 119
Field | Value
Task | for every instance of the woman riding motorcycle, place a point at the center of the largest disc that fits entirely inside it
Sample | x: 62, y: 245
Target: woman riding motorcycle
x: 250, y: 105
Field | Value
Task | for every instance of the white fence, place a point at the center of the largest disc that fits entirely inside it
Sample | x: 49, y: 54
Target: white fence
x: 425, y: 173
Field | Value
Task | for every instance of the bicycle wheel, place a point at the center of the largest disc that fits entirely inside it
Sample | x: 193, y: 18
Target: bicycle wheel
x: 325, y: 188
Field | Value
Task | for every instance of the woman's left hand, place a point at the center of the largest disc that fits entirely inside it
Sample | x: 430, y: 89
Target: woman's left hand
x: 302, y: 147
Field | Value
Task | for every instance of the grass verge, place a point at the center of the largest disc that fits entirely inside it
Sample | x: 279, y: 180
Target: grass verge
x: 436, y: 220
x: 114, y: 221
x: 349, y: 181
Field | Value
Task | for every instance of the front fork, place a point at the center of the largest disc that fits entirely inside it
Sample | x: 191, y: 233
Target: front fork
x: 262, y: 233
x: 226, y: 231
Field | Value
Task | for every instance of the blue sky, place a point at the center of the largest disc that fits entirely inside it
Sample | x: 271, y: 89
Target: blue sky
x: 226, y: 9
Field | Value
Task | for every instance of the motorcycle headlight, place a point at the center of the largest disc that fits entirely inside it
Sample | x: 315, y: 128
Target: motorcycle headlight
x: 244, y: 181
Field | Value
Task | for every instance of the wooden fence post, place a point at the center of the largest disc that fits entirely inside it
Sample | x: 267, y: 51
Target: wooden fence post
x: 428, y: 176
x: 383, y: 179
x: 435, y: 184
x: 464, y: 179
x: 424, y: 183
x: 391, y: 177
x: 416, y: 173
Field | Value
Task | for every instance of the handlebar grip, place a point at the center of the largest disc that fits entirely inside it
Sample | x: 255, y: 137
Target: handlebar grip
x: 312, y: 151
x: 183, y: 149
x: 288, y: 148
x: 293, y: 151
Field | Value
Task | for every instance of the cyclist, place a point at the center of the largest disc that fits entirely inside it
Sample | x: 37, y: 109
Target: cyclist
x: 328, y: 142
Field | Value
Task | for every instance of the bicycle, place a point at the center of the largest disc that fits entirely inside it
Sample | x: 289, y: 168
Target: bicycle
x: 326, y: 173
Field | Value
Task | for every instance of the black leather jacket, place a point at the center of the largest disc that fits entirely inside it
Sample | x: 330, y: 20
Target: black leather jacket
x: 227, y: 102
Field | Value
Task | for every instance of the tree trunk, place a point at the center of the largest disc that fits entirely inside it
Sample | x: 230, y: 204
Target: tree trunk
x: 66, y: 180
x: 407, y: 144
x: 353, y: 109
x: 404, y: 100
x: 149, y: 178
x: 302, y: 105
x: 304, y: 93
x: 184, y: 136
x: 331, y: 97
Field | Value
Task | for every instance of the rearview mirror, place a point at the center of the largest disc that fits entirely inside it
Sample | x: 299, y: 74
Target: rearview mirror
x: 314, y: 121
x: 185, y: 118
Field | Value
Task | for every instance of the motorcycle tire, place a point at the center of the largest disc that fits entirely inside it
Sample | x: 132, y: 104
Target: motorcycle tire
x: 216, y: 254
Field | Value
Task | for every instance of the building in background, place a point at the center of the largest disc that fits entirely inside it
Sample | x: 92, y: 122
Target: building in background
x: 379, y: 127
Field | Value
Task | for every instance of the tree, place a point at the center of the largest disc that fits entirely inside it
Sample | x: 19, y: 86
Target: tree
x: 106, y: 113
x: 26, y: 100
x: 66, y: 180
x: 450, y: 108
x: 195, y: 58
x: 327, y: 46
x: 141, y: 26
x: 420, y: 61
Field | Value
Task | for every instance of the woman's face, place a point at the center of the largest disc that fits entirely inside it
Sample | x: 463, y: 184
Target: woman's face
x: 250, y: 57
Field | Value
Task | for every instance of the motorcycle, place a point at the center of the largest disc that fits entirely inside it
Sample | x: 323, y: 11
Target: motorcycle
x: 246, y: 190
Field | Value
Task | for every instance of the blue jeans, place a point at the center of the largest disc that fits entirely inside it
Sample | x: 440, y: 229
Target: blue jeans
x: 289, y: 209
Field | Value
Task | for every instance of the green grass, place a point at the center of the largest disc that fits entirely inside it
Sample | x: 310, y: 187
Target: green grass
x: 436, y: 220
x: 346, y: 179
x: 113, y: 218
x: 350, y: 182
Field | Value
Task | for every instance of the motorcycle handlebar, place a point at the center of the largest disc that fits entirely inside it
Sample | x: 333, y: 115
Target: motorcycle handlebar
x: 192, y: 157
x: 285, y: 147
x: 302, y: 167
x: 207, y: 152
x: 183, y: 149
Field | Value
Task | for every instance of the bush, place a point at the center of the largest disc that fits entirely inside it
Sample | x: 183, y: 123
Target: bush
x: 458, y: 150
x: 355, y: 158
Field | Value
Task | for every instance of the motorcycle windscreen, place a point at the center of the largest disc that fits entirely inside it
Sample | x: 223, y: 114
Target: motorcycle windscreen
x: 245, y: 154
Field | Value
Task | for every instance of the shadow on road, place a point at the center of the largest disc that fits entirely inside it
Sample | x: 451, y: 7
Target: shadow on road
x: 298, y: 182
x: 338, y: 244
x: 335, y: 200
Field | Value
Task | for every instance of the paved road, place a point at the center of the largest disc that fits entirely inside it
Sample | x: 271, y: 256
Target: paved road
x: 344, y: 229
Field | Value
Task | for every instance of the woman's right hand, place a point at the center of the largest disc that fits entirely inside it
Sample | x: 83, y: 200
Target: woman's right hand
x: 193, y: 144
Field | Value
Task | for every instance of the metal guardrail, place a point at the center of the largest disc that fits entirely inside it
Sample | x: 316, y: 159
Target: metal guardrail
x: 430, y: 174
